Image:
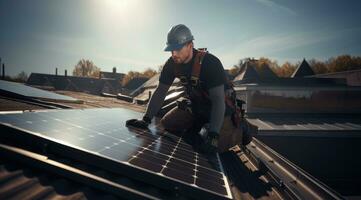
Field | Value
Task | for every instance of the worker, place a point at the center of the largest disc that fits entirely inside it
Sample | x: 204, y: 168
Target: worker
x: 205, y: 109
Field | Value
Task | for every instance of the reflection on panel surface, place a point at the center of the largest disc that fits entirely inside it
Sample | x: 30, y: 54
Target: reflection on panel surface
x: 28, y: 91
x: 103, y: 132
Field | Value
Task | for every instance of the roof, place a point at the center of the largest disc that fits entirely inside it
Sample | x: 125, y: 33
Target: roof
x: 75, y: 83
x: 17, y: 182
x: 294, y: 82
x: 353, y: 77
x: 338, y: 73
x: 307, y: 124
x: 128, y: 145
x: 24, y: 91
x: 326, y: 146
x: 8, y: 104
x: 152, y: 82
x: 303, y: 70
x: 265, y: 72
x: 248, y: 178
x: 228, y: 75
x: 112, y: 75
x: 142, y: 92
x: 88, y: 101
x: 135, y: 83
x: 248, y: 73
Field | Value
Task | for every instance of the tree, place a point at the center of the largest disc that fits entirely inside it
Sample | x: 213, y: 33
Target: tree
x: 86, y: 68
x: 129, y: 76
x: 333, y: 64
x: 148, y: 73
x: 234, y: 70
x: 21, y: 77
x: 318, y: 67
x: 285, y: 70
x: 343, y: 63
x: 264, y: 62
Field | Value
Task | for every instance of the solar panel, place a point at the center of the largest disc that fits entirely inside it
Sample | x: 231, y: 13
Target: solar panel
x: 156, y: 154
x: 27, y: 91
x: 307, y: 123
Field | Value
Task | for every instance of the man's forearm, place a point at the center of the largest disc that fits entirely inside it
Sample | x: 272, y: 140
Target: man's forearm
x: 216, y: 96
x: 156, y: 100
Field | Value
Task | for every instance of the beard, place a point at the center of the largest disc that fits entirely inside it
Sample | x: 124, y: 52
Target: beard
x: 182, y: 58
x: 177, y: 60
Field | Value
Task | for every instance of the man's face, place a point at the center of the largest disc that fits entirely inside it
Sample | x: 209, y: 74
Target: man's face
x: 183, y: 55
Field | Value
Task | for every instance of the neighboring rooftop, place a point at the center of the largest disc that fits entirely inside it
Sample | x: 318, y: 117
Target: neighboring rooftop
x: 133, y: 84
x: 29, y: 92
x: 353, y: 77
x: 75, y: 83
x: 265, y: 72
x: 303, y: 76
x: 303, y: 70
x: 248, y: 73
x: 112, y: 75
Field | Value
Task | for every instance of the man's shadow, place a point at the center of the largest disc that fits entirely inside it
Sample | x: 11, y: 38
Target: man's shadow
x: 248, y: 183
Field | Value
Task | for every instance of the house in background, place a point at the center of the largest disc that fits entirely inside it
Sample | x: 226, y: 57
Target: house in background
x: 312, y: 120
x: 133, y: 84
x: 353, y: 77
x: 108, y: 82
x: 112, y: 75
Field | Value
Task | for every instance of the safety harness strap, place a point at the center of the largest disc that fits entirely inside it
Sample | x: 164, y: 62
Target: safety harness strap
x: 197, y: 65
x: 192, y: 85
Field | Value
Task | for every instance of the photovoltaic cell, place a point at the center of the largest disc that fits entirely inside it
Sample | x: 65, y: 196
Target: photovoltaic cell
x: 27, y: 91
x: 102, y: 132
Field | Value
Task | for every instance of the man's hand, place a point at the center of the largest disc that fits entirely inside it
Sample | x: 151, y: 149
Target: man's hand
x: 210, y: 146
x: 139, y: 123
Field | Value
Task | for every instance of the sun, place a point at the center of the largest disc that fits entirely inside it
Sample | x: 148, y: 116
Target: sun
x: 117, y: 7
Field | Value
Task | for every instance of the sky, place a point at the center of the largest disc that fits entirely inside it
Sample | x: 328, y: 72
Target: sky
x: 41, y: 35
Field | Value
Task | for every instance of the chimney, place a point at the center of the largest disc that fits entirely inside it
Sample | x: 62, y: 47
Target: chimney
x: 114, y: 70
x: 66, y: 73
x: 3, y: 72
x: 56, y: 71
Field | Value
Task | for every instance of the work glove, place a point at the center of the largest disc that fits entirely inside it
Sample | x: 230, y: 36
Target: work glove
x: 139, y: 123
x: 210, y: 145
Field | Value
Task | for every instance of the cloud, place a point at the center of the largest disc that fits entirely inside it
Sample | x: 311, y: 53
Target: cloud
x: 276, y: 6
x: 276, y: 45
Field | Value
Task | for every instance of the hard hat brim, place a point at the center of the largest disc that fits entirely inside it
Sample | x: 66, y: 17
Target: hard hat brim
x: 173, y: 47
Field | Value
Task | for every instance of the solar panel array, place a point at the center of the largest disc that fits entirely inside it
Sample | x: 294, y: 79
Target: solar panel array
x: 102, y: 132
x: 27, y: 91
x: 307, y: 123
